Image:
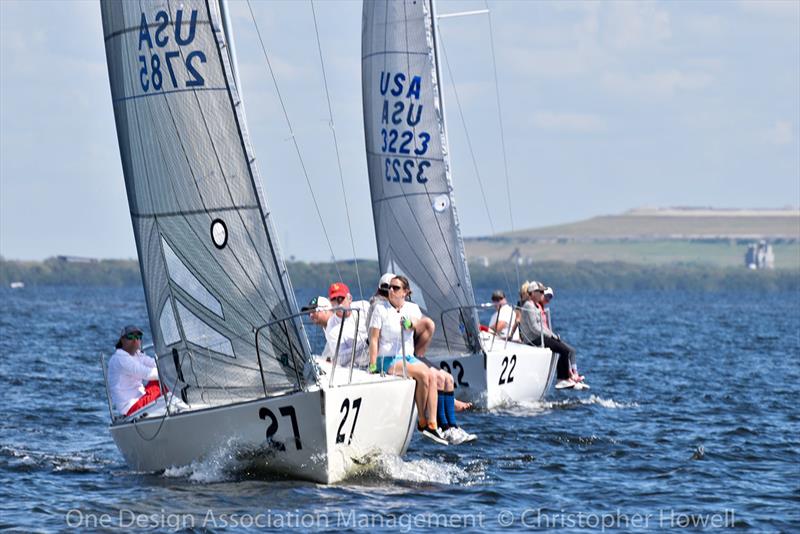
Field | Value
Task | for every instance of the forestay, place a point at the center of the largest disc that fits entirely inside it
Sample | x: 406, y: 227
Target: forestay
x: 211, y: 271
x: 415, y: 219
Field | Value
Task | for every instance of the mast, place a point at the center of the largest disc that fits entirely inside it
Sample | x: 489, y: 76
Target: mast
x: 226, y: 26
x: 448, y: 173
x: 437, y: 65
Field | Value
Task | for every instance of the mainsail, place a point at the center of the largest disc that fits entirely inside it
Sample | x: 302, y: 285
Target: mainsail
x: 415, y: 219
x: 212, y: 272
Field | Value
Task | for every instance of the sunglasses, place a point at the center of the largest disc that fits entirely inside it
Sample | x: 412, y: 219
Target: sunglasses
x: 494, y: 299
x: 131, y: 337
x: 396, y: 288
x: 338, y: 300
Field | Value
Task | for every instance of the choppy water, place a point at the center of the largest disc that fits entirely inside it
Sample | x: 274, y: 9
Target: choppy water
x: 691, y: 420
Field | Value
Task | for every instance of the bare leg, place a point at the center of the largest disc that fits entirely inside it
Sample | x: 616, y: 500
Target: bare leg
x: 444, y: 382
x: 433, y: 398
x: 423, y: 333
x: 420, y: 394
x: 449, y: 384
x: 426, y: 388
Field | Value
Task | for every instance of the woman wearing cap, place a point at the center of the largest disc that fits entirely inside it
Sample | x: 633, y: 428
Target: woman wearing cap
x: 535, y: 330
x: 127, y: 369
x: 391, y: 339
x: 381, y: 295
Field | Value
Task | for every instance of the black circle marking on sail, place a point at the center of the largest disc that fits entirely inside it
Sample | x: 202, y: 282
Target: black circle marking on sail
x: 219, y: 233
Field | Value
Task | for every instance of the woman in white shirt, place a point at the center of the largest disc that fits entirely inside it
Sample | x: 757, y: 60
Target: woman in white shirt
x: 391, y: 337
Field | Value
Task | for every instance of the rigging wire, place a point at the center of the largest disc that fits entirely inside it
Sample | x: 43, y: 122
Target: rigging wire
x: 471, y: 151
x: 336, y: 146
x: 502, y: 130
x: 294, y: 139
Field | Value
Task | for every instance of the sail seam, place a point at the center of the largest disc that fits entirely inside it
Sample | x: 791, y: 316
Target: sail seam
x: 159, y: 93
x: 398, y: 52
x: 149, y: 26
x: 192, y: 212
x: 404, y: 156
x: 426, y: 193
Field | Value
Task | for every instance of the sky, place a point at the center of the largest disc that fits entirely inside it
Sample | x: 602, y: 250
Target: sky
x: 605, y: 106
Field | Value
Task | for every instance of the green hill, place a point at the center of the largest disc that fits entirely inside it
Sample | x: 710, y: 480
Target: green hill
x: 651, y: 237
x: 676, y: 223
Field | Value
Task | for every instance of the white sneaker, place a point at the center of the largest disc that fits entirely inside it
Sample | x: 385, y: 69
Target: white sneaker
x: 466, y: 435
x: 581, y: 385
x: 453, y: 436
x: 435, y: 435
x: 566, y: 383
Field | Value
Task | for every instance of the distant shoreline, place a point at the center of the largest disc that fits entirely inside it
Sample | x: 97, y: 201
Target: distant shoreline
x: 584, y: 275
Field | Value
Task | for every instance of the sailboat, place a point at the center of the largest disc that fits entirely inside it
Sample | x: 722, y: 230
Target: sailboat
x: 228, y: 337
x: 416, y: 223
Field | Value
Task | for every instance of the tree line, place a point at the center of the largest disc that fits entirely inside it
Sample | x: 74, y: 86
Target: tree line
x: 585, y: 275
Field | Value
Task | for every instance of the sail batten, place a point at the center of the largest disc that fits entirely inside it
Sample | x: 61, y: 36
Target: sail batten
x: 211, y: 270
x: 416, y: 224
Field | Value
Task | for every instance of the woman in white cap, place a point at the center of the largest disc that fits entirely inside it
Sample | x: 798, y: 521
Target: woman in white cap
x: 391, y: 340
x: 535, y: 330
x: 128, y: 369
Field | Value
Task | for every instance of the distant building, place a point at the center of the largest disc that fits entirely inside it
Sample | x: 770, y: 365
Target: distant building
x: 759, y: 256
x: 76, y: 259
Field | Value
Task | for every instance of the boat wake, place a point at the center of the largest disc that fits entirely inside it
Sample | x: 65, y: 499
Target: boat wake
x: 233, y: 463
x: 524, y: 409
x: 382, y: 467
x: 22, y: 460
x: 229, y: 463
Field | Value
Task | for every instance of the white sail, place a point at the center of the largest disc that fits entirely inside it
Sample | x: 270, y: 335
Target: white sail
x: 416, y: 224
x: 212, y: 272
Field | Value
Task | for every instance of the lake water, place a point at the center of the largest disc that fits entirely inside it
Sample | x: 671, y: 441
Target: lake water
x: 692, y: 420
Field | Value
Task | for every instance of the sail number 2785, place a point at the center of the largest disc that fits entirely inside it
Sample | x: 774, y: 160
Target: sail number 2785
x: 179, y: 68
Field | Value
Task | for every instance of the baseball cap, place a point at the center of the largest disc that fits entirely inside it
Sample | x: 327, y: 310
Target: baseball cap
x: 549, y: 291
x: 535, y: 286
x: 130, y: 329
x: 317, y: 303
x: 498, y: 295
x: 338, y: 289
x: 385, y: 280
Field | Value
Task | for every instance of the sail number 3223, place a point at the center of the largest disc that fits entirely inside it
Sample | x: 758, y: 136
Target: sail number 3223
x: 403, y: 143
x: 175, y: 68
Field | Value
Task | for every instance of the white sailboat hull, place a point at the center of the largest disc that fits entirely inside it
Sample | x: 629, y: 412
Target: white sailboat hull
x: 315, y: 435
x: 506, y: 373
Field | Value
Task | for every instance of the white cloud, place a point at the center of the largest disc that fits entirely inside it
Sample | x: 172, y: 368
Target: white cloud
x: 776, y: 8
x: 554, y: 63
x: 574, y: 122
x: 704, y: 25
x: 663, y: 83
x: 780, y: 133
x: 635, y: 25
